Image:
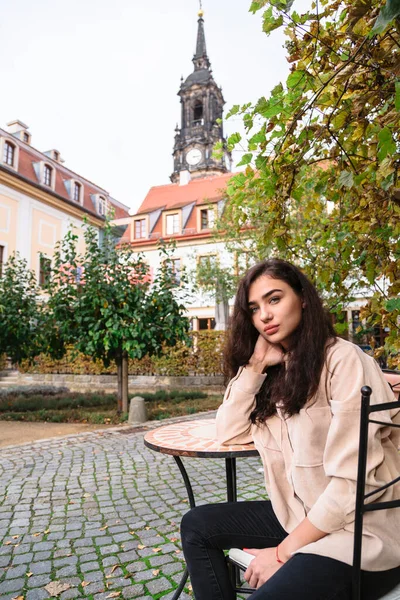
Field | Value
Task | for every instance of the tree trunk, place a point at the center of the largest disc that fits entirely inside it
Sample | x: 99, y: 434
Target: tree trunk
x: 119, y: 379
x: 124, y: 390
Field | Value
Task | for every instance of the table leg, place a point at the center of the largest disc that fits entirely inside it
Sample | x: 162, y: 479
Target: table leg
x: 192, y: 503
x: 231, y: 494
x: 231, y: 487
x: 186, y: 480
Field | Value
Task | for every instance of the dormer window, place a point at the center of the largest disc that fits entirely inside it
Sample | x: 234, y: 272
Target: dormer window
x: 47, y: 175
x: 172, y: 224
x: 77, y: 191
x: 9, y: 154
x: 140, y: 229
x: 207, y: 218
x: 25, y: 137
x: 102, y: 206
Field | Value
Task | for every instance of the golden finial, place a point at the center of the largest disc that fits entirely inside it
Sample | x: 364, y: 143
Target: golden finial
x: 201, y: 11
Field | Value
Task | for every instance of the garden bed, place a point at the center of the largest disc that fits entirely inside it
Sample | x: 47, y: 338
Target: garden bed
x: 56, y: 405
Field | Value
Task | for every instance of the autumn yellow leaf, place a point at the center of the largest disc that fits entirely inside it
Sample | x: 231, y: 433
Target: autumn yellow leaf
x: 103, y: 528
x: 56, y: 587
x: 140, y: 546
x: 15, y: 537
x: 114, y: 595
x: 115, y: 567
x: 18, y: 598
x: 29, y: 574
x: 132, y: 532
x: 173, y: 539
x: 85, y: 583
x: 156, y: 549
x: 156, y: 571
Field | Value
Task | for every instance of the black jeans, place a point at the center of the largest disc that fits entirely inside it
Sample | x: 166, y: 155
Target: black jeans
x: 208, y: 530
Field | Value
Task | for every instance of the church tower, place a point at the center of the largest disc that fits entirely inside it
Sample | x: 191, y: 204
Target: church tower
x: 202, y: 106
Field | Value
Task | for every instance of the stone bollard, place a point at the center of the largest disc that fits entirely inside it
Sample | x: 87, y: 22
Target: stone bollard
x: 137, y: 410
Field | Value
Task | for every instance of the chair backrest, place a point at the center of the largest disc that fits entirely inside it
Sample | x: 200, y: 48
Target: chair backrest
x: 361, y: 505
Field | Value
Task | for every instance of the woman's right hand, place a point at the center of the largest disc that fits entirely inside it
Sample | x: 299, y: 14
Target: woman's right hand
x: 265, y: 355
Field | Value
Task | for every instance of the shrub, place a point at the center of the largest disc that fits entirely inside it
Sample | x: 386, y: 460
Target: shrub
x: 32, y: 390
x: 203, y: 357
x: 20, y: 403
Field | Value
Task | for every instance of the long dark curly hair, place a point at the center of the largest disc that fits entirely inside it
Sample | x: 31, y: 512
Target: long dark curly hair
x: 292, y: 386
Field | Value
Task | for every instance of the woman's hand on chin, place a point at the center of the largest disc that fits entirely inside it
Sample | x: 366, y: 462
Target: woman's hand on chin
x: 265, y: 355
x: 262, y: 567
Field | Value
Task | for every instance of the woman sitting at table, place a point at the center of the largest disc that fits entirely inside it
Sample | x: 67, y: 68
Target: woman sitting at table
x: 295, y: 391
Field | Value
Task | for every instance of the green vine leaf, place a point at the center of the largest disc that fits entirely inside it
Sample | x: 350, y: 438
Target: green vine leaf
x: 388, y: 13
x: 346, y: 179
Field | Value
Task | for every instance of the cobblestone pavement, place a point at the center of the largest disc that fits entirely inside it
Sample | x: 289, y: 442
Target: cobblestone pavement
x: 100, y: 512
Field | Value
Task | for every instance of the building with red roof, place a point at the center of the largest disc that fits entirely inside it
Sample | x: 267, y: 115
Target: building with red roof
x: 40, y: 198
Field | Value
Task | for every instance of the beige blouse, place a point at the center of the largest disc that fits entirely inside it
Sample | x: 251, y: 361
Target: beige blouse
x: 310, y: 459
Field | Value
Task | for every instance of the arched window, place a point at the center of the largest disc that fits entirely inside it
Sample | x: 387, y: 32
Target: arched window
x: 198, y: 113
x: 9, y: 154
x: 47, y: 175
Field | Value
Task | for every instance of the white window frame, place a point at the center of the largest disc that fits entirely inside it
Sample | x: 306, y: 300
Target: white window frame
x: 74, y: 184
x: 52, y: 175
x: 143, y: 228
x: 174, y: 219
x: 102, y: 205
x: 211, y: 216
x: 6, y: 140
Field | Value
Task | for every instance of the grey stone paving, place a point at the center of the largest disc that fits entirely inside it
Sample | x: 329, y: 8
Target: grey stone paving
x: 101, y: 513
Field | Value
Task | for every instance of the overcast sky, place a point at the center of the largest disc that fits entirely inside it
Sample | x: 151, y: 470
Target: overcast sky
x: 98, y: 79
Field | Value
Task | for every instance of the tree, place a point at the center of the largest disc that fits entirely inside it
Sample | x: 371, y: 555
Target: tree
x: 21, y: 316
x: 321, y: 180
x: 103, y: 303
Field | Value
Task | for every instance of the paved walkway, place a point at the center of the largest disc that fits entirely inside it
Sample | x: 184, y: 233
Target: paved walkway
x: 100, y: 513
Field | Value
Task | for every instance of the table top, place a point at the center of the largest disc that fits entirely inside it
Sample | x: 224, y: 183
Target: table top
x: 194, y: 438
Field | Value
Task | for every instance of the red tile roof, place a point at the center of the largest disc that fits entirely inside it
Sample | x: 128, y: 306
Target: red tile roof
x: 202, y: 191
x: 28, y: 156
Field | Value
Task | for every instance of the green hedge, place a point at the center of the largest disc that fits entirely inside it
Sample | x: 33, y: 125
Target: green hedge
x: 203, y: 357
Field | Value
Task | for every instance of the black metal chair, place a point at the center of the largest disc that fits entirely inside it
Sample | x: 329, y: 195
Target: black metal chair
x: 361, y: 506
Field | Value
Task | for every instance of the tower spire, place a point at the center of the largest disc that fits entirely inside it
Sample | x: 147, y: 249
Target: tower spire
x: 200, y: 58
x: 201, y: 118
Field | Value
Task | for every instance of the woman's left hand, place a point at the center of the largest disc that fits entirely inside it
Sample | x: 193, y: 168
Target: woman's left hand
x: 262, y: 567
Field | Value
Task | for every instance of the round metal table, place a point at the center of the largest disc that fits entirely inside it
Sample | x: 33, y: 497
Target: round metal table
x: 196, y: 439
